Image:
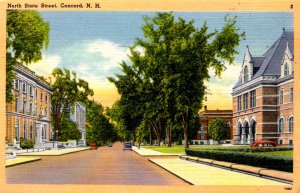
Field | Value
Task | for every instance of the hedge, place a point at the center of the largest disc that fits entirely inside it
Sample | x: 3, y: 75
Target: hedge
x: 265, y: 161
x: 251, y: 149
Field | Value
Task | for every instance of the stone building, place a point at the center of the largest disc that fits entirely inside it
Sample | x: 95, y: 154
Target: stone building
x: 28, y: 115
x: 264, y: 94
x: 77, y: 115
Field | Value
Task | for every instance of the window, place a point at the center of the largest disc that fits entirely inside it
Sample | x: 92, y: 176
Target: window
x: 30, y: 108
x: 36, y: 94
x: 291, y: 124
x: 290, y: 142
x: 246, y: 74
x: 245, y: 101
x: 46, y: 98
x: 30, y: 90
x: 286, y: 69
x: 24, y: 107
x: 280, y: 142
x: 17, y: 105
x: 41, y: 96
x: 25, y: 131
x: 31, y: 132
x: 17, y: 84
x: 291, y: 94
x: 281, y: 125
x: 239, y: 103
x: 46, y: 113
x: 253, y: 99
x: 24, y: 87
x: 281, y: 97
x: 17, y: 131
x: 41, y: 110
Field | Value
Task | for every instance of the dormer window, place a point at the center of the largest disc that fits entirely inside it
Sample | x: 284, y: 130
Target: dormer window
x: 286, y: 69
x: 246, y: 74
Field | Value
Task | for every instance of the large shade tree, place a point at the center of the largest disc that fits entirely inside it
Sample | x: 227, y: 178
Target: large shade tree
x: 169, y: 74
x: 26, y: 35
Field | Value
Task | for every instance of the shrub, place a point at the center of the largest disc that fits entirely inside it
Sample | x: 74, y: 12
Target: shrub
x: 26, y: 143
x: 266, y: 161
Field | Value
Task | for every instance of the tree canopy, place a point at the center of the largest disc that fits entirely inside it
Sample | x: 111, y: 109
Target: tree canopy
x: 218, y: 129
x: 98, y: 127
x: 26, y: 35
x: 165, y: 82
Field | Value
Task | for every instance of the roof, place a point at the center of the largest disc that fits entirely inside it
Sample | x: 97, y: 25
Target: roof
x: 269, y: 63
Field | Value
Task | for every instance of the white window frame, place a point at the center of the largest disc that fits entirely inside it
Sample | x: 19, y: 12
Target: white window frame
x: 17, y: 84
x: 24, y: 87
x: 245, y: 101
x: 291, y: 124
x: 281, y: 126
x: 252, y: 98
x: 281, y: 96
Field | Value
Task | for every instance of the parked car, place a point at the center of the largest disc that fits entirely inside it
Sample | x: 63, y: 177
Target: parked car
x: 109, y: 145
x: 127, y: 146
x: 263, y: 143
x: 93, y: 145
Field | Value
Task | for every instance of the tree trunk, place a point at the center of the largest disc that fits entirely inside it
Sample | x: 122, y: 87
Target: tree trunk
x: 185, y: 127
x: 150, y: 134
x: 168, y: 134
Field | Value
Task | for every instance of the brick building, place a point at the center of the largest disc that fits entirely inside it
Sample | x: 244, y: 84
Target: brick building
x: 205, y: 117
x: 28, y: 115
x: 263, y: 96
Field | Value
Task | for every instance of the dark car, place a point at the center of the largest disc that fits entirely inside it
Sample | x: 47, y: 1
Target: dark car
x: 263, y: 143
x: 127, y: 146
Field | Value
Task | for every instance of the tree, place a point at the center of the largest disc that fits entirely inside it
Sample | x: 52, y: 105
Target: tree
x: 26, y: 35
x: 218, y: 129
x: 69, y: 130
x: 98, y: 128
x: 183, y: 54
x: 66, y: 90
x: 166, y: 82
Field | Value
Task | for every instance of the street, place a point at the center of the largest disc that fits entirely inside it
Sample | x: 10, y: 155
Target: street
x: 102, y: 166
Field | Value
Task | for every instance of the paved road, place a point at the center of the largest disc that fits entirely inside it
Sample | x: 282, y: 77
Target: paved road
x: 102, y: 166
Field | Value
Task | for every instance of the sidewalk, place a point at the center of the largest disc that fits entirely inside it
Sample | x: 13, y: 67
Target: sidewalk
x: 149, y: 152
x: 202, y: 174
x: 55, y: 152
x: 20, y: 160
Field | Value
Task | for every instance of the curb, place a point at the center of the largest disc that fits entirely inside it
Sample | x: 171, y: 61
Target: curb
x: 261, y: 172
x: 38, y: 159
x: 56, y: 155
x: 171, y: 172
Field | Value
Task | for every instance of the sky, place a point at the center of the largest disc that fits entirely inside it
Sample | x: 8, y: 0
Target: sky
x: 94, y: 43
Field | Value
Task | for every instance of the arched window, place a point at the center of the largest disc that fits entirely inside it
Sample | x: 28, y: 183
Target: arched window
x: 246, y: 74
x: 291, y: 124
x: 281, y: 125
x: 286, y: 69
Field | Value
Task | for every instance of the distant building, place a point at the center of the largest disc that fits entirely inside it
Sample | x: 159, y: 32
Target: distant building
x: 264, y: 94
x: 77, y: 115
x: 28, y: 116
x: 205, y: 117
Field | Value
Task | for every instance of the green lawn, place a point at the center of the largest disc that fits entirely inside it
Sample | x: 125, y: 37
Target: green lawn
x: 180, y: 149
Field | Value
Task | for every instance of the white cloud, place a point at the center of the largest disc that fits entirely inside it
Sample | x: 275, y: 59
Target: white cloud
x: 45, y: 66
x: 112, y: 53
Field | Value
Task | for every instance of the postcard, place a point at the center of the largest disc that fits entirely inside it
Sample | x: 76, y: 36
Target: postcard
x: 154, y: 96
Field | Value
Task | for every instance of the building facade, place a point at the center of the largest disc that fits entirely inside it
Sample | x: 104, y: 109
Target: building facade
x: 264, y: 94
x: 77, y: 115
x: 28, y: 115
x: 205, y: 117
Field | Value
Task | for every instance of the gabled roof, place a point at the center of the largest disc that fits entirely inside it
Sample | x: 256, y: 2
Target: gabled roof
x: 269, y: 63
